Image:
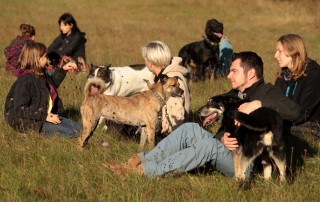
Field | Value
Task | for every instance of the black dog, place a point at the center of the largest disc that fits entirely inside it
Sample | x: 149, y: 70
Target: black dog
x: 260, y: 132
x: 202, y: 57
x: 57, y: 61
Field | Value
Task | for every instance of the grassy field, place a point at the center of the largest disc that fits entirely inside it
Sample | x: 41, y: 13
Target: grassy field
x: 33, y: 168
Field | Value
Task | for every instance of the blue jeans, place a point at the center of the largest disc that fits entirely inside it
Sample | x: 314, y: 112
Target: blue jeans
x: 186, y: 148
x: 67, y: 128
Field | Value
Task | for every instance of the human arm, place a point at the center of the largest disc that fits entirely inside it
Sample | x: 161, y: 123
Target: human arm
x: 274, y: 98
x: 56, y: 45
x: 59, y: 74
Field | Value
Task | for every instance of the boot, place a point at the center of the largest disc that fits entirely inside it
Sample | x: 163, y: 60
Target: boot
x: 133, y: 164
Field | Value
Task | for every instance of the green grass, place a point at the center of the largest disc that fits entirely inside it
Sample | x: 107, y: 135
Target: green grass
x: 34, y: 168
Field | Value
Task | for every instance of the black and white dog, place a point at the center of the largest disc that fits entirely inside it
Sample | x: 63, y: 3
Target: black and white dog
x: 202, y: 57
x: 122, y: 81
x: 260, y: 132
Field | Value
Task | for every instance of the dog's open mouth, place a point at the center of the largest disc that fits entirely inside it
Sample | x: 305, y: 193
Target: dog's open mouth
x: 210, y: 119
x: 94, y: 89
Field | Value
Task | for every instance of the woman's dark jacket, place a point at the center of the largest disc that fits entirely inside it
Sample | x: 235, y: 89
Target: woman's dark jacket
x: 305, y: 91
x: 26, y: 106
x: 72, y: 45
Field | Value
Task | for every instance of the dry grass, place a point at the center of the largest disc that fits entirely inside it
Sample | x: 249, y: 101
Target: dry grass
x: 34, y: 168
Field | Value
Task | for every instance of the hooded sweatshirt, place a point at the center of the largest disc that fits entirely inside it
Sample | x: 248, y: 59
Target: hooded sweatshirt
x: 304, y: 91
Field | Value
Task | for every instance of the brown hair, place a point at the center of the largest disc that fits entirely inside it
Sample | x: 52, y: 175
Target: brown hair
x: 30, y: 57
x: 27, y: 30
x: 294, y: 47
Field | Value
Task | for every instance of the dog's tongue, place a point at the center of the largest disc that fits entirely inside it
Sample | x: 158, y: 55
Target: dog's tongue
x: 218, y: 35
x: 94, y: 90
x: 209, y: 118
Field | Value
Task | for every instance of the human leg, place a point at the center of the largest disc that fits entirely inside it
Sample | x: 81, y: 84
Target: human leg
x: 67, y: 128
x: 188, y: 147
x: 184, y: 136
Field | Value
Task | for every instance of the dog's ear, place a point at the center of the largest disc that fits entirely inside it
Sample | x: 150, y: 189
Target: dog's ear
x: 163, y: 78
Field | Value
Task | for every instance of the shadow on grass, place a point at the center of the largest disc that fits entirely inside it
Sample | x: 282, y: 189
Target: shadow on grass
x: 72, y: 113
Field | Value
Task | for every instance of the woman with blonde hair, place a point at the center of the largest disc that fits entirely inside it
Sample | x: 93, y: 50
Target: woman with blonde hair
x: 32, y: 103
x: 299, y: 79
x: 12, y: 52
x: 158, y: 59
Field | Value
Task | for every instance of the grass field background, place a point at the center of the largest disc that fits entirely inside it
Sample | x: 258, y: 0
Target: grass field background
x: 33, y: 168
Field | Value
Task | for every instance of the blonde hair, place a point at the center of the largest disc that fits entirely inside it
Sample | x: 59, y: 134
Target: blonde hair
x: 295, y: 48
x: 30, y: 57
x: 27, y: 30
x: 157, y: 52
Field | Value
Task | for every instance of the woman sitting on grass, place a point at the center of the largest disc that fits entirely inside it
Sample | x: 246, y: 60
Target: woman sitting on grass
x: 71, y: 42
x: 32, y: 103
x: 299, y: 79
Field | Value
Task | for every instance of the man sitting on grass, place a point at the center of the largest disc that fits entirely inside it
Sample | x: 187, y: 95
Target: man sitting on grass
x: 190, y: 146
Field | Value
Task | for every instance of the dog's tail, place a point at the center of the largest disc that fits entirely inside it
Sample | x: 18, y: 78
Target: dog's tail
x: 94, y: 86
x: 252, y: 122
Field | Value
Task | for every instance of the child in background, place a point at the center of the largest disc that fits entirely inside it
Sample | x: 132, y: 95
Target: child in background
x: 12, y: 52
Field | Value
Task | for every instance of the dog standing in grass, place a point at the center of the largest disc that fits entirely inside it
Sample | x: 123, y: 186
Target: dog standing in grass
x: 140, y: 109
x: 209, y: 58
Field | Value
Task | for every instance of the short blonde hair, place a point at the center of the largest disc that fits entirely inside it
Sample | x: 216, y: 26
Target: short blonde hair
x: 157, y: 52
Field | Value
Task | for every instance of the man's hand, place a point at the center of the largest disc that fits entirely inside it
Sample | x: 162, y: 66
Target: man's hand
x: 248, y: 107
x: 229, y: 142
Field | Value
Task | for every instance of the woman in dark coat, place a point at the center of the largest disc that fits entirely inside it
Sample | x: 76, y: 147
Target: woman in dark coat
x: 71, y: 42
x: 299, y: 79
x: 32, y: 103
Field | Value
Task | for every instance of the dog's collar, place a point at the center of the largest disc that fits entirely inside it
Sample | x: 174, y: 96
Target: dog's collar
x: 155, y: 93
x: 208, y: 41
x: 163, y: 104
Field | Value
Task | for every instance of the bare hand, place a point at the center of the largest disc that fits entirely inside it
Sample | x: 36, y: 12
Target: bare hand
x: 53, y: 118
x: 230, y: 142
x: 249, y: 107
x: 70, y: 65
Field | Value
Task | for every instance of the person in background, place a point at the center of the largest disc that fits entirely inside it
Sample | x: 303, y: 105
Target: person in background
x: 12, y: 52
x: 71, y: 42
x: 158, y: 59
x: 32, y: 103
x: 299, y: 80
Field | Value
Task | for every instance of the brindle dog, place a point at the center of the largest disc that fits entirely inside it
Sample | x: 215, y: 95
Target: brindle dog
x: 140, y: 109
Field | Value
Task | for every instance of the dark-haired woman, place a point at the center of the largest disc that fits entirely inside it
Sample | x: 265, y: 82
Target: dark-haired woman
x: 71, y: 42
